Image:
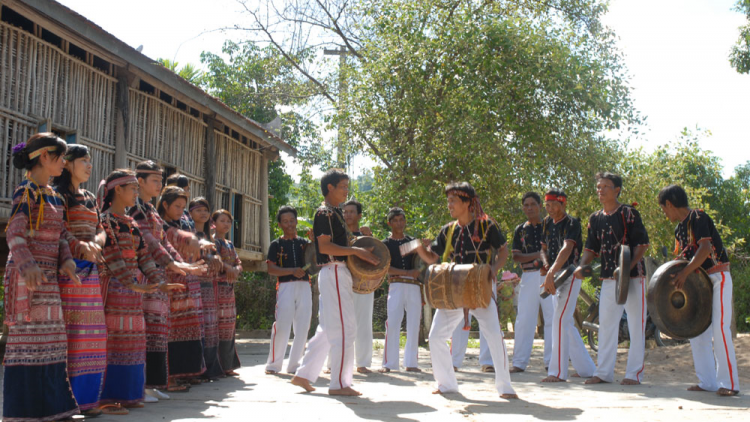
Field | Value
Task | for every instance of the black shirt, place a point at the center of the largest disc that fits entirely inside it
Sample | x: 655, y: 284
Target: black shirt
x: 554, y: 235
x: 606, y: 232
x: 527, y: 238
x: 330, y: 221
x: 288, y: 253
x: 465, y: 249
x: 695, y: 227
x: 398, y: 261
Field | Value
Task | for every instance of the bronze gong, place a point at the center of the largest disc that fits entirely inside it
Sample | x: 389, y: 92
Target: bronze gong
x: 680, y: 313
x: 311, y: 259
x: 560, y: 280
x: 622, y: 275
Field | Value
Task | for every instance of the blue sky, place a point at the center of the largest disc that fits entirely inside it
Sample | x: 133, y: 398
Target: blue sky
x: 676, y: 52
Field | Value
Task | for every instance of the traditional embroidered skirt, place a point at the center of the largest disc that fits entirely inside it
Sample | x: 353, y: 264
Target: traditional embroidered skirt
x: 186, y: 329
x: 227, y: 322
x: 210, y: 328
x: 36, y: 384
x: 126, y: 344
x: 156, y: 314
x: 83, y: 311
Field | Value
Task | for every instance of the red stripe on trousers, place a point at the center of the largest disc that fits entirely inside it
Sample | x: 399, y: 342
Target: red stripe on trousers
x: 559, y: 333
x: 643, y: 325
x: 723, y: 335
x: 341, y: 316
x: 385, y: 356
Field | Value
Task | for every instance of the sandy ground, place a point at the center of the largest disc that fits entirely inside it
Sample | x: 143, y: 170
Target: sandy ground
x: 406, y: 396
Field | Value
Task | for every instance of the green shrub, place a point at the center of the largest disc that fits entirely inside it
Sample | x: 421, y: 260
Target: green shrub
x: 255, y: 295
x: 740, y: 271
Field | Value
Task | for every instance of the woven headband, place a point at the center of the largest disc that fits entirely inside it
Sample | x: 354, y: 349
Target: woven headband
x: 196, y: 206
x: 39, y: 152
x: 559, y: 198
x: 457, y: 192
x: 124, y: 180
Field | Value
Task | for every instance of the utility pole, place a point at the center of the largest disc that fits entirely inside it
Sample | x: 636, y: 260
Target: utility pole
x: 341, y: 157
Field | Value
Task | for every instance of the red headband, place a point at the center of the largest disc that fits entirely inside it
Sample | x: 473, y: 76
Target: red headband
x: 559, y: 198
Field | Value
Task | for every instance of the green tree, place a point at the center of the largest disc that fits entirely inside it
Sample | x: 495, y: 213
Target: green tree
x: 188, y: 72
x: 740, y: 56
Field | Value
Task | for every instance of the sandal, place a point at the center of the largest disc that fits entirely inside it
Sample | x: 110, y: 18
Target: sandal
x: 113, y: 409
x: 232, y: 374
x: 178, y: 388
x: 92, y: 413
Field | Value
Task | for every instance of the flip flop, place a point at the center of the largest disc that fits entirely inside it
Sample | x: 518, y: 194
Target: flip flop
x: 113, y: 409
x: 179, y: 388
x: 92, y: 413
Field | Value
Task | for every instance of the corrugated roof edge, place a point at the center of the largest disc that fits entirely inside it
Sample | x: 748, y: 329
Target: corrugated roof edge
x: 78, y: 23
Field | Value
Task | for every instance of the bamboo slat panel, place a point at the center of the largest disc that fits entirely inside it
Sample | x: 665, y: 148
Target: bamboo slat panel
x: 251, y: 226
x: 237, y: 166
x: 13, y: 130
x: 166, y: 134
x: 41, y: 79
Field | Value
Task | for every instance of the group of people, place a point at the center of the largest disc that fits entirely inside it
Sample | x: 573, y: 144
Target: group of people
x: 110, y: 301
x: 543, y: 247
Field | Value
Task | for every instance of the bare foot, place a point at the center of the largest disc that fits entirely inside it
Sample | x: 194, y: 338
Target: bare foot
x: 488, y: 368
x: 270, y: 372
x: 415, y: 369
x: 455, y: 369
x: 327, y: 371
x: 727, y: 392
x: 516, y: 369
x: 628, y: 381
x: 595, y: 380
x: 695, y: 388
x: 437, y: 392
x: 553, y: 378
x: 363, y: 370
x: 384, y: 370
x: 508, y: 396
x: 348, y: 391
x: 304, y: 383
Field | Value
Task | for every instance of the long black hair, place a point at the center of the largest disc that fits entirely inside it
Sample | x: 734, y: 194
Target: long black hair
x: 205, y: 232
x: 21, y: 159
x: 64, y: 181
x: 169, y: 195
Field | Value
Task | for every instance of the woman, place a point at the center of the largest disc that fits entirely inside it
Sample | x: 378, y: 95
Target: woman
x: 129, y: 273
x: 186, y: 317
x: 201, y: 214
x: 82, y: 305
x: 36, y: 385
x: 232, y: 266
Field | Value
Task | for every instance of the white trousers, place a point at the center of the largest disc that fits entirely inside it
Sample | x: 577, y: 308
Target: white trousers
x: 567, y: 344
x: 610, y: 314
x: 529, y: 302
x: 402, y: 297
x: 363, y: 342
x: 444, y: 323
x: 336, y: 331
x: 293, y: 311
x: 713, y: 351
x: 460, y: 341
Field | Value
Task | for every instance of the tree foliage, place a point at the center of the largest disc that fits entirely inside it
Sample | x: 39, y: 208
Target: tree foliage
x: 740, y: 56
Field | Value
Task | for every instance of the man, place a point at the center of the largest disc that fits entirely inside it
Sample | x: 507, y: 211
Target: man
x: 363, y: 303
x: 336, y: 331
x: 404, y: 294
x: 698, y: 242
x: 469, y: 239
x: 527, y: 252
x: 611, y: 227
x: 286, y: 257
x: 561, y: 247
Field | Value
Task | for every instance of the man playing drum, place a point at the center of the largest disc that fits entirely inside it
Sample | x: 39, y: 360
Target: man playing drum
x: 611, y: 227
x: 527, y: 251
x: 698, y: 241
x: 467, y: 240
x: 561, y: 247
x: 404, y: 294
x: 363, y: 303
x: 286, y: 257
x: 337, y: 328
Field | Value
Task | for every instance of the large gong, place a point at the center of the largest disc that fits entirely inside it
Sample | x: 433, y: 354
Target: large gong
x: 680, y: 313
x: 622, y: 275
x: 311, y: 259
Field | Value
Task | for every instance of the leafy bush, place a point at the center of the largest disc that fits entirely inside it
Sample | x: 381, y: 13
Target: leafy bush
x: 255, y: 295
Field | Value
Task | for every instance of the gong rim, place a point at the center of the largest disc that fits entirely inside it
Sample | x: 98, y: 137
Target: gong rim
x: 311, y: 257
x: 622, y: 278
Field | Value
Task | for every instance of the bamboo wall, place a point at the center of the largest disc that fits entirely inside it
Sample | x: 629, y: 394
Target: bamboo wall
x: 40, y: 82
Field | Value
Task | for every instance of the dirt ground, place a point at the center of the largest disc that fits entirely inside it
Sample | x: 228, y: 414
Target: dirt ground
x: 406, y: 396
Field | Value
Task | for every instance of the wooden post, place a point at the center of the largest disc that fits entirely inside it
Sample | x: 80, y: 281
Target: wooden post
x: 210, y: 170
x: 122, y: 125
x: 265, y: 228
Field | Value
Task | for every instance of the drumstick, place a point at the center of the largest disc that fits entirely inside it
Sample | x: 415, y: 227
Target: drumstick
x: 409, y: 247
